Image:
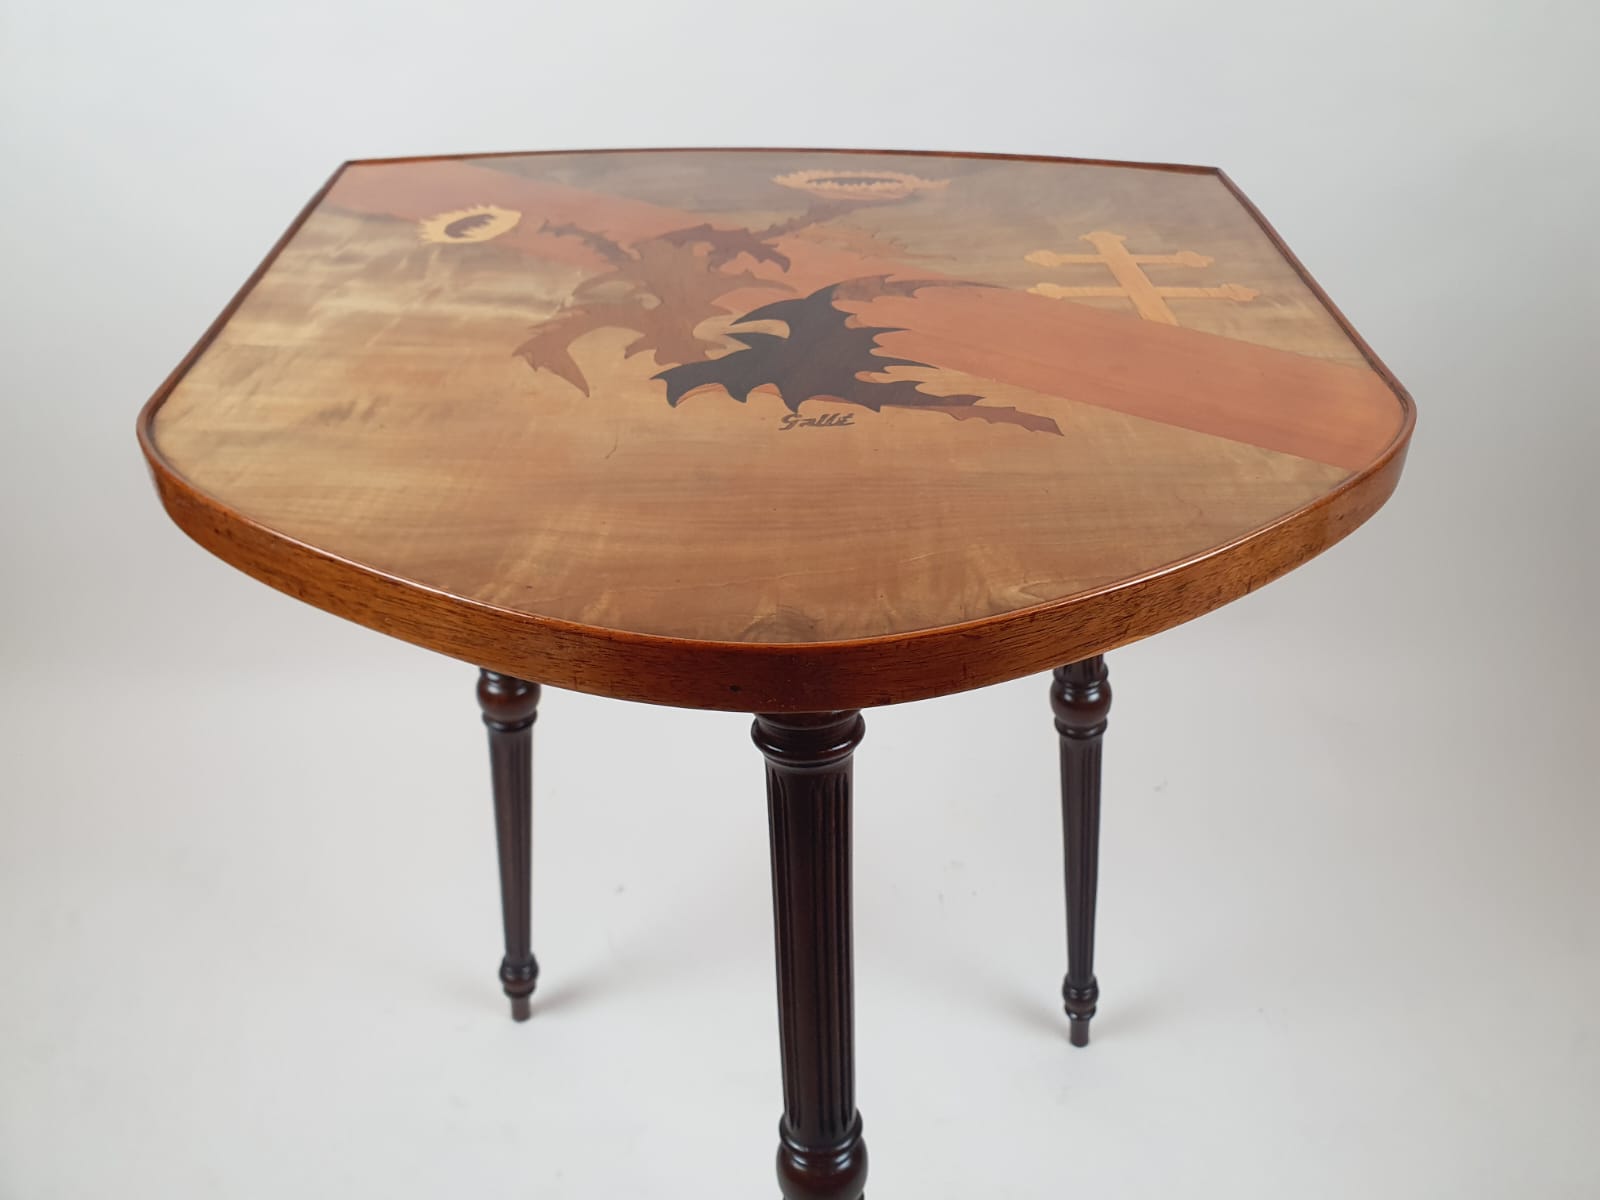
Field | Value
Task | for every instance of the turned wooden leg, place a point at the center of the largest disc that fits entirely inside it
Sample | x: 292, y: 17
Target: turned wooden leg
x: 1081, y: 698
x: 510, y: 706
x: 820, y: 1152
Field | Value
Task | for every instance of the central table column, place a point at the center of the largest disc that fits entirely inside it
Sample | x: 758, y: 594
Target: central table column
x: 820, y: 1153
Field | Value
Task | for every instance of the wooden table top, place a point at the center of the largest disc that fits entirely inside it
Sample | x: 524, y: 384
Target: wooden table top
x: 775, y: 430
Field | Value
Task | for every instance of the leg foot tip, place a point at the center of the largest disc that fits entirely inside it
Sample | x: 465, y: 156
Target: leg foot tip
x: 518, y: 980
x: 1080, y: 1004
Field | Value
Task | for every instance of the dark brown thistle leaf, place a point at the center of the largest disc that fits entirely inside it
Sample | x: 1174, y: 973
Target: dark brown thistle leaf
x: 824, y: 355
x: 727, y: 244
x: 607, y: 249
x: 663, y: 294
x: 818, y: 212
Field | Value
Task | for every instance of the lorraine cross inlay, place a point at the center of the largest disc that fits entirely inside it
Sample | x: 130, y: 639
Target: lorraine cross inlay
x: 1148, y: 298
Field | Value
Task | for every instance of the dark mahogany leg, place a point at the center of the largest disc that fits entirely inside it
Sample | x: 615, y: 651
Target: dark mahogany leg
x: 820, y: 1152
x: 510, y: 706
x: 1081, y: 698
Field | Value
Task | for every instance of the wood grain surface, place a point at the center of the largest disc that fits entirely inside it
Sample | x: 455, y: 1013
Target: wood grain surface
x: 774, y: 430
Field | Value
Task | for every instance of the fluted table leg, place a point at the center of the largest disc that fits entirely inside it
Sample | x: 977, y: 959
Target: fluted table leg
x: 820, y: 1153
x: 1081, y: 698
x: 510, y: 706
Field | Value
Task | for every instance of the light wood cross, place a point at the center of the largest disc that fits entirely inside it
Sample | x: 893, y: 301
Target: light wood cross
x: 1149, y: 298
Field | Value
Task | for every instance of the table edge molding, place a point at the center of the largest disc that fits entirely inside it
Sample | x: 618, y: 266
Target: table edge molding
x: 779, y: 677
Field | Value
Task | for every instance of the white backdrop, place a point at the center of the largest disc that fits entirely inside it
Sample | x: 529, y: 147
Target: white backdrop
x: 1349, y: 909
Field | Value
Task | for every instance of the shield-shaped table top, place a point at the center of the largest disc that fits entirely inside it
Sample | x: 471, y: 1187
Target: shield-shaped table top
x: 772, y: 429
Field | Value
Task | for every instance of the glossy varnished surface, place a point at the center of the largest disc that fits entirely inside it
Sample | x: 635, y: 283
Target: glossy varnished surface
x: 775, y: 430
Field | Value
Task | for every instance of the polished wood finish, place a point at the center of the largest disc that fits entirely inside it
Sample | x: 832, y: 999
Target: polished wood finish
x: 779, y: 431
x: 1080, y: 695
x: 820, y: 1152
x: 775, y: 430
x: 510, y: 707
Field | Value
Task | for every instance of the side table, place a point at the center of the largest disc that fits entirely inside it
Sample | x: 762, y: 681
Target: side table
x: 790, y: 432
